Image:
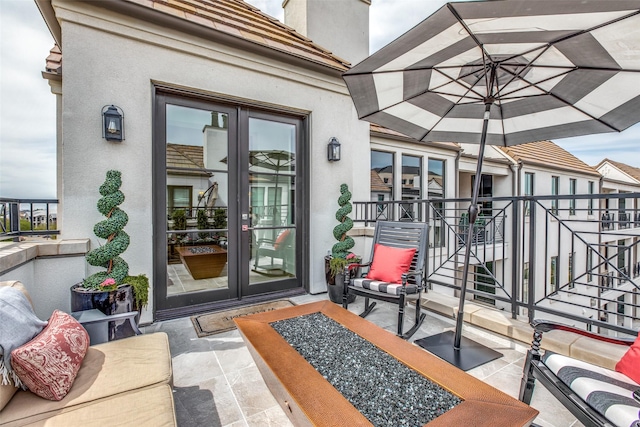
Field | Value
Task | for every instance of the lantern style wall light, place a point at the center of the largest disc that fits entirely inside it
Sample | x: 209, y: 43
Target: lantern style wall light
x: 333, y: 150
x: 112, y: 123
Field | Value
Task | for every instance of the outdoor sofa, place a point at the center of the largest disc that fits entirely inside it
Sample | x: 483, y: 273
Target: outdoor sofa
x: 124, y: 382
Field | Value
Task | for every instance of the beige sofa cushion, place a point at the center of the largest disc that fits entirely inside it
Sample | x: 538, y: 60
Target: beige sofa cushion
x: 108, y: 369
x: 7, y: 391
x: 150, y: 407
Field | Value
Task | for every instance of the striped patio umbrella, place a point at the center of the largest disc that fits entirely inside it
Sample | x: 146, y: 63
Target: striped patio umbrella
x: 506, y: 72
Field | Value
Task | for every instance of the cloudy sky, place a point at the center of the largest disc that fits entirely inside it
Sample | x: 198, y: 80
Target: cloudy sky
x: 27, y: 107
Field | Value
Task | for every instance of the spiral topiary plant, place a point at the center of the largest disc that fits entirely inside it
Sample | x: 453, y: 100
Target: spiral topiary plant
x: 107, y: 256
x: 345, y: 243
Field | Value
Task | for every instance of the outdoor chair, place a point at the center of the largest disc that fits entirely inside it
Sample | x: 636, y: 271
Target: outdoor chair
x: 595, y: 395
x: 282, y: 248
x: 396, y: 271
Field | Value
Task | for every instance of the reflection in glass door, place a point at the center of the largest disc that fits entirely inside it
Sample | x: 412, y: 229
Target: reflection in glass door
x: 225, y: 213
x: 197, y: 206
x: 271, y: 163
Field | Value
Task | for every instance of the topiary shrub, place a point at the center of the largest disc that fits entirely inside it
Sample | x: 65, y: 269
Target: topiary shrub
x: 202, y: 223
x: 107, y: 256
x: 345, y: 243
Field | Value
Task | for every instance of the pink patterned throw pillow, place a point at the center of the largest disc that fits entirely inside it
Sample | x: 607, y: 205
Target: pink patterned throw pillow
x: 49, y: 363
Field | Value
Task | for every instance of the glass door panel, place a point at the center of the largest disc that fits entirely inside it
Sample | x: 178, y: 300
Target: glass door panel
x: 198, y: 241
x: 272, y: 178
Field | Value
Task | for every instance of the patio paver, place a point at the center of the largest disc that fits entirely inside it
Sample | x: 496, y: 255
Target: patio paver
x: 217, y: 383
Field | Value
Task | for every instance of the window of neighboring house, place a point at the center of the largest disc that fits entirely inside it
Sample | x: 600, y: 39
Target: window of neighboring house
x: 382, y: 181
x: 179, y: 197
x: 622, y: 213
x: 553, y: 276
x: 589, y: 264
x: 485, y: 282
x: 622, y: 261
x: 572, y: 191
x: 436, y: 190
x: 570, y: 270
x: 590, y: 189
x: 486, y: 190
x: 528, y: 191
x: 525, y: 283
x: 555, y: 188
x: 412, y: 173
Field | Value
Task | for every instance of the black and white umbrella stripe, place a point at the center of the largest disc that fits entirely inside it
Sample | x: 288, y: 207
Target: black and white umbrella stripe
x: 562, y: 68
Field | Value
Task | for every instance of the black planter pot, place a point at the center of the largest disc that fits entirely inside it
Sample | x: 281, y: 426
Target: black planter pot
x: 109, y: 302
x: 335, y: 284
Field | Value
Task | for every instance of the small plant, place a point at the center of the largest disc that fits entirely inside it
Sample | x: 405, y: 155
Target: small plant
x: 337, y: 265
x: 108, y: 255
x: 345, y: 243
x: 202, y: 223
x: 140, y: 285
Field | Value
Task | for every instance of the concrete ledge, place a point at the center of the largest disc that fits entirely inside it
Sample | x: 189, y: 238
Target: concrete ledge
x: 15, y: 254
x: 500, y: 322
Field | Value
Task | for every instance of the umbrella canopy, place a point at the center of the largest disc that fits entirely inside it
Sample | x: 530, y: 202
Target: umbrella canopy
x: 504, y: 73
x: 548, y: 69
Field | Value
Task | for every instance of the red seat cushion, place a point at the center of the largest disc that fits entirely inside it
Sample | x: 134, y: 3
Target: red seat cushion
x: 630, y: 362
x: 390, y: 263
x: 49, y: 363
x: 282, y: 237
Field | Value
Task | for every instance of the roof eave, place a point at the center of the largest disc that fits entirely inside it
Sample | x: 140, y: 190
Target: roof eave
x: 49, y: 15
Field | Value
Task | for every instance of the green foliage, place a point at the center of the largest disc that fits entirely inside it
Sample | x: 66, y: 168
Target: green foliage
x: 107, y: 256
x: 202, y: 223
x: 179, y: 218
x: 345, y: 243
x: 220, y: 219
x: 140, y: 285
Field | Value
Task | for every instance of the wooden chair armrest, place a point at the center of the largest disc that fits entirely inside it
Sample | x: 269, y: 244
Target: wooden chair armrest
x: 540, y: 326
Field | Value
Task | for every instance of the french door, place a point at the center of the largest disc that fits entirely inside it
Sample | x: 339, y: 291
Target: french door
x: 227, y: 211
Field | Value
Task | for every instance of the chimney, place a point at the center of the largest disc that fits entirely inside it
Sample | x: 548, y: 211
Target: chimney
x: 340, y: 26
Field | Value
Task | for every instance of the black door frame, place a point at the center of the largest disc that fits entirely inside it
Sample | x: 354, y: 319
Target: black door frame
x: 189, y: 303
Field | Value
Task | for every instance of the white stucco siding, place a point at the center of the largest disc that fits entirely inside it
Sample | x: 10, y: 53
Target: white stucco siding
x: 119, y: 66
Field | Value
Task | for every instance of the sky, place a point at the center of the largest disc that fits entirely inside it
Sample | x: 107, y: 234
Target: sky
x: 27, y: 106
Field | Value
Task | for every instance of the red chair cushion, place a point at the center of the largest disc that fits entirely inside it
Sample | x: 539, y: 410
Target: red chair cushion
x: 280, y: 240
x: 630, y: 362
x: 390, y: 263
x: 49, y: 363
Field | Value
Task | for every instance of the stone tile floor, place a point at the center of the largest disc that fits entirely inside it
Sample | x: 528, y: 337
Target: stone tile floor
x: 216, y: 382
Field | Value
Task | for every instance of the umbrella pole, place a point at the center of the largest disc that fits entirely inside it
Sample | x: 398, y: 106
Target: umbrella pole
x: 473, y: 215
x: 451, y: 346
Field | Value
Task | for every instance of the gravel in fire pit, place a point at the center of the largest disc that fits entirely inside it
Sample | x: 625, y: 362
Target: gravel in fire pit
x: 384, y: 390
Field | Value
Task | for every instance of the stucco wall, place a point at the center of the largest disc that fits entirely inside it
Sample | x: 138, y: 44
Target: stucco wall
x: 119, y: 65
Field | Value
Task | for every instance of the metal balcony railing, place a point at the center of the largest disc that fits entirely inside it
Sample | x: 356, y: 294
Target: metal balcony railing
x: 27, y: 217
x: 557, y: 257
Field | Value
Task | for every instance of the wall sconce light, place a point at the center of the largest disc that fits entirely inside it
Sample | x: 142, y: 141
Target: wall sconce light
x: 333, y: 150
x: 112, y: 123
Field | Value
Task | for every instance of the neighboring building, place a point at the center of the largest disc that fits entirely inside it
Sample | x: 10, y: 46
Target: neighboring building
x: 619, y: 216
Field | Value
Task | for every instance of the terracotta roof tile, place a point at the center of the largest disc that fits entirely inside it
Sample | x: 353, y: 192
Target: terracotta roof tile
x: 549, y: 154
x: 54, y: 60
x: 186, y: 156
x: 629, y: 170
x: 242, y: 20
x: 377, y: 184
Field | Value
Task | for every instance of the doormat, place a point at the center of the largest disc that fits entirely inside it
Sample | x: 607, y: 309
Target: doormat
x: 222, y: 321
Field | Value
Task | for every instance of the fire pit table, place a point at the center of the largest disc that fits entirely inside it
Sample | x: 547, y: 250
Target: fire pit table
x: 309, y: 398
x: 204, y: 261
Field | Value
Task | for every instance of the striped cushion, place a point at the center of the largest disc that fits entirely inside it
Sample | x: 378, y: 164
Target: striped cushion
x: 384, y: 287
x: 608, y: 392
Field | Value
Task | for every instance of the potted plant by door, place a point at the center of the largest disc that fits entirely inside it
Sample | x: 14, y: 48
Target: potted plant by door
x: 108, y: 290
x: 341, y: 256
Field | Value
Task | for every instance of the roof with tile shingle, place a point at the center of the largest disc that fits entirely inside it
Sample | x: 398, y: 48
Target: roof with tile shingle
x: 186, y: 157
x: 547, y: 153
x: 241, y: 20
x: 632, y: 171
x: 377, y: 184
